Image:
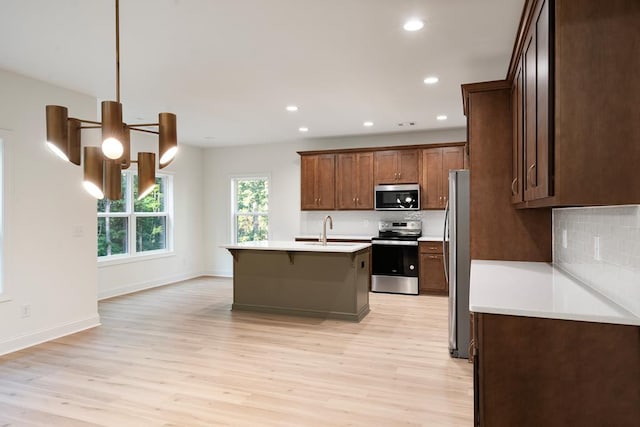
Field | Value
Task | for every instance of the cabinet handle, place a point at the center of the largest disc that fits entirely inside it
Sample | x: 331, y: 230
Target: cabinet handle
x: 358, y: 200
x: 433, y: 248
x: 529, y: 173
x: 354, y: 200
x: 513, y: 185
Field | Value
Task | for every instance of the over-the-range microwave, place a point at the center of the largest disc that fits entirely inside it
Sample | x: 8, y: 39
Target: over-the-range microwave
x: 402, y: 197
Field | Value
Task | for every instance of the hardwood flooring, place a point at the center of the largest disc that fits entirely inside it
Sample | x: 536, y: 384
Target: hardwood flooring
x: 178, y: 356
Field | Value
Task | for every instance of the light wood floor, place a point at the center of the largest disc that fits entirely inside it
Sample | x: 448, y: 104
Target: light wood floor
x: 178, y: 356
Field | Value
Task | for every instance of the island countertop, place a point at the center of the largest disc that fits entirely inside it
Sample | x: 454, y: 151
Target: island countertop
x: 289, y: 246
x: 538, y: 289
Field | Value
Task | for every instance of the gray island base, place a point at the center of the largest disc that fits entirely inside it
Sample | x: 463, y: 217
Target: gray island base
x: 304, y: 279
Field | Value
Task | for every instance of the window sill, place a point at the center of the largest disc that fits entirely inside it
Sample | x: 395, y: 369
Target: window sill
x: 126, y: 259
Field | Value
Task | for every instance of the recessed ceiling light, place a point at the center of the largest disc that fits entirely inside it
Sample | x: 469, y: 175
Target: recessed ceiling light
x: 367, y: 124
x: 303, y: 129
x: 413, y: 25
x: 292, y: 108
x: 441, y: 117
x: 431, y: 80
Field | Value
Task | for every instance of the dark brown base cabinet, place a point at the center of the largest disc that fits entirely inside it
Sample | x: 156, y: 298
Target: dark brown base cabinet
x: 533, y: 372
x: 431, y: 277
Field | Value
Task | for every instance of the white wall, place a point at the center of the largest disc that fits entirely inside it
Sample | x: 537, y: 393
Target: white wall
x: 282, y: 163
x: 187, y: 259
x: 49, y: 221
x: 616, y: 271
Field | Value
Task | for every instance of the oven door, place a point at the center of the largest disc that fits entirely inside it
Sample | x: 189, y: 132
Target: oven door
x: 394, y: 266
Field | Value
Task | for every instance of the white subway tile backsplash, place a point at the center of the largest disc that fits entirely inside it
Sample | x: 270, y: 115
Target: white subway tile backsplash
x: 366, y: 222
x: 616, y: 272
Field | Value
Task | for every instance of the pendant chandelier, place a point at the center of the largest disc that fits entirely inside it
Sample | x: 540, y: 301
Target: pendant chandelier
x: 103, y: 165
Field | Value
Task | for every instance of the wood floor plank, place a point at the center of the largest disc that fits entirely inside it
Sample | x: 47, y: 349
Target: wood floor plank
x: 178, y: 356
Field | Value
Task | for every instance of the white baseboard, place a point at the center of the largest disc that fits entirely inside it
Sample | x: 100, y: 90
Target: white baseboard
x: 44, y: 335
x: 219, y: 273
x: 149, y: 284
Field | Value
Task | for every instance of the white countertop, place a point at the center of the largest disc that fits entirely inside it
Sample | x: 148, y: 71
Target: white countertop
x: 537, y: 289
x: 337, y: 236
x: 274, y: 245
x: 430, y: 239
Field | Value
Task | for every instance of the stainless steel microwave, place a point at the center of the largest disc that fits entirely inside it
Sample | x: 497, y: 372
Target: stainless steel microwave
x: 404, y: 197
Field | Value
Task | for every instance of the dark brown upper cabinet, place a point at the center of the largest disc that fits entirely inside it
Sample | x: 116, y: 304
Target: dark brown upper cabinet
x: 436, y: 164
x: 396, y: 167
x: 317, y: 182
x: 354, y: 181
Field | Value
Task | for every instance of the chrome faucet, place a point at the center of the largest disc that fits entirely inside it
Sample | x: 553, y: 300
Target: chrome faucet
x: 323, y: 239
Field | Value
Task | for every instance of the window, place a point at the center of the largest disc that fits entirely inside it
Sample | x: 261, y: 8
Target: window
x: 129, y: 226
x: 250, y: 208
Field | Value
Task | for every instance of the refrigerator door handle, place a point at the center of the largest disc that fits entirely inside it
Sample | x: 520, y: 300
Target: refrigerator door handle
x: 444, y: 242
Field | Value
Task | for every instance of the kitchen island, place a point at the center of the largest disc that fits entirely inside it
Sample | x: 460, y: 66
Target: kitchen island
x: 302, y: 278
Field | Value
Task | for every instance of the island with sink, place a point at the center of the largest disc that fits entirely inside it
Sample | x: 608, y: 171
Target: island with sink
x: 319, y: 279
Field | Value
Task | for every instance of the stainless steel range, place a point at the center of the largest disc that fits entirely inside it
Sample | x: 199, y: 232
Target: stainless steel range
x: 395, y: 257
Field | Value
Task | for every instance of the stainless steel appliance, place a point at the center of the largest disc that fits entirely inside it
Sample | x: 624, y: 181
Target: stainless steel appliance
x: 405, y: 197
x: 395, y: 257
x: 458, y: 264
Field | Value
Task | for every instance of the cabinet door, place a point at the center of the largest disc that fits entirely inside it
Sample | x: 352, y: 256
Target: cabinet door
x: 530, y: 128
x: 452, y: 158
x: 407, y: 165
x: 518, y: 137
x: 432, y: 278
x: 385, y: 167
x: 364, y: 180
x: 537, y: 136
x: 308, y: 166
x: 431, y: 178
x: 542, y: 170
x: 326, y: 181
x: 346, y: 181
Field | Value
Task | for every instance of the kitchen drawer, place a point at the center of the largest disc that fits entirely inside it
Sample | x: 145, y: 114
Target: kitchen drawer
x: 430, y: 247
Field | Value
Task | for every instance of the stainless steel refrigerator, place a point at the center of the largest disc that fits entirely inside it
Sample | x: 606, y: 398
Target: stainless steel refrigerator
x: 458, y: 263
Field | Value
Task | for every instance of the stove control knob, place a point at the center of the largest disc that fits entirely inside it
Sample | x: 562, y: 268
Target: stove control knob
x: 412, y: 267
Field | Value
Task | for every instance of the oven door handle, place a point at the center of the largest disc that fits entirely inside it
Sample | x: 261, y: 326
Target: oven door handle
x: 395, y: 242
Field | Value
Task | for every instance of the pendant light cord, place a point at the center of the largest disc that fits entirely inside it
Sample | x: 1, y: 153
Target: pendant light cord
x: 118, y: 51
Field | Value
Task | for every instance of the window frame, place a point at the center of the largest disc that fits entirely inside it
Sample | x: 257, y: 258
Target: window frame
x: 234, y: 203
x: 132, y: 255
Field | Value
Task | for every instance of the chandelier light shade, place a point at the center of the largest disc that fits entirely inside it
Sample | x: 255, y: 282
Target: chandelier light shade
x: 103, y: 165
x: 146, y: 174
x: 168, y: 138
x: 93, y: 171
x: 113, y: 180
x: 73, y: 135
x: 112, y: 129
x: 57, y: 140
x: 126, y: 147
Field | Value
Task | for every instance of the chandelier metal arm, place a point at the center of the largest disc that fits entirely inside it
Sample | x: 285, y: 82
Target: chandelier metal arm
x: 141, y: 125
x: 93, y: 122
x: 145, y: 130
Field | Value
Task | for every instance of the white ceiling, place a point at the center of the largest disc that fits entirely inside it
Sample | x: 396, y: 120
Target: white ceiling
x: 228, y: 68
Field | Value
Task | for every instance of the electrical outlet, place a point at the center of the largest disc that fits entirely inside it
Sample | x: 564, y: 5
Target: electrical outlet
x: 365, y: 223
x: 596, y: 248
x: 26, y: 311
x: 564, y: 238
